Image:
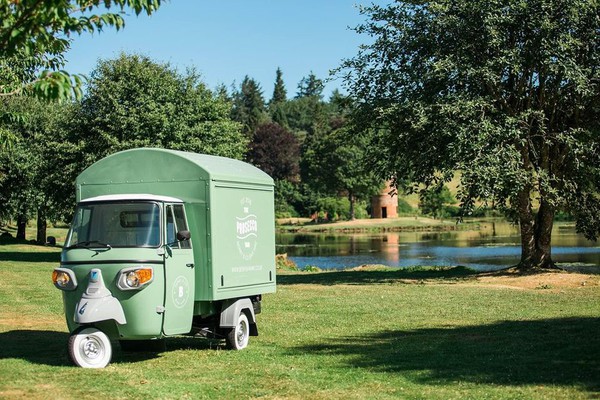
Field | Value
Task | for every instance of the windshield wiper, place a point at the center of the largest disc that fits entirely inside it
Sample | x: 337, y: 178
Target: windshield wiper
x: 90, y: 243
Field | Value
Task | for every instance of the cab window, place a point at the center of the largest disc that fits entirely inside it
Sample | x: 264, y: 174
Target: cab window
x: 176, y: 222
x: 118, y: 224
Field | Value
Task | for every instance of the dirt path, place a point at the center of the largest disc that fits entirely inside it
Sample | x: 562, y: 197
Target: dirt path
x: 544, y: 280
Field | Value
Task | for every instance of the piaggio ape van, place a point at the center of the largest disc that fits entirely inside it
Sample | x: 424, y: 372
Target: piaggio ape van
x: 166, y: 243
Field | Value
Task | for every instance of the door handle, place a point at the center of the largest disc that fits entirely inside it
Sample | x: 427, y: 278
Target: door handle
x: 190, y: 265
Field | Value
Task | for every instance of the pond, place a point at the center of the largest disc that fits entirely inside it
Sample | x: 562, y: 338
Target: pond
x: 495, y: 245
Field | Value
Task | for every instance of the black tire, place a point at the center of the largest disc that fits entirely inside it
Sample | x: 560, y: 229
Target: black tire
x: 238, y: 336
x: 148, y: 345
x: 89, y: 348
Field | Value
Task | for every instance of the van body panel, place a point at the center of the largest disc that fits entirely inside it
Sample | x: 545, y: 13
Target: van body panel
x: 231, y: 254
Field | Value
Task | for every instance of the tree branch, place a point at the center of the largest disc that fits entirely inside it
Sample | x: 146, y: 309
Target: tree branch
x: 26, y: 14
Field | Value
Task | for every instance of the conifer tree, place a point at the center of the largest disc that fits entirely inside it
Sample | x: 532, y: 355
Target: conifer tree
x: 249, y: 106
x: 279, y: 91
x: 310, y: 86
x: 278, y: 101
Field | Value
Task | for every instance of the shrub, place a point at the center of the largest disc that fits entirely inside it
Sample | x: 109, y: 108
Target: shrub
x: 283, y: 262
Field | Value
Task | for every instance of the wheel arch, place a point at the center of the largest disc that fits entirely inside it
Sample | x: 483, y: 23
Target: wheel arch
x: 231, y: 309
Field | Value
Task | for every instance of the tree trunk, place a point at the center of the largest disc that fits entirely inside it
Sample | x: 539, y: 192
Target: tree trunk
x: 21, y: 225
x: 41, y: 225
x: 543, y: 236
x: 351, y: 199
x: 526, y: 223
x: 536, y: 234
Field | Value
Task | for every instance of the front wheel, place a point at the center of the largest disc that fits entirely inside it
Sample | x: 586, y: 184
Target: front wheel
x: 237, y: 337
x: 90, y: 348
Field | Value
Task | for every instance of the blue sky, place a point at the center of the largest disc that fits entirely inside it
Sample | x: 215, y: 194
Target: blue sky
x: 226, y: 40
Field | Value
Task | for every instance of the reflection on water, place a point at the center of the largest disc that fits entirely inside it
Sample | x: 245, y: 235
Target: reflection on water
x: 496, y: 245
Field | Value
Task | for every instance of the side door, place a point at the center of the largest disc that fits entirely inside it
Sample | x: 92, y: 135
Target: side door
x: 179, y: 273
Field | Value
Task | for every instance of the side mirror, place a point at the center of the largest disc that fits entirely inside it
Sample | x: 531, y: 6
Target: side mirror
x: 183, y: 235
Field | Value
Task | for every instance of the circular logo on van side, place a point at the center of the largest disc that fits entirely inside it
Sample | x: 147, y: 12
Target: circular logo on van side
x: 180, y: 291
x: 246, y: 230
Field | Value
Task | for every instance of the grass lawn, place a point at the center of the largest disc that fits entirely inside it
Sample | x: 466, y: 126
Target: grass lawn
x: 370, y: 334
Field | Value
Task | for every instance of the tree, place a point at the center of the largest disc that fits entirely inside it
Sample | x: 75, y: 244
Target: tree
x: 133, y: 101
x: 249, y: 106
x: 16, y: 189
x: 432, y: 201
x: 304, y: 116
x: 279, y: 92
x: 222, y: 93
x: 35, y: 35
x: 289, y: 199
x: 278, y: 101
x: 340, y: 104
x: 276, y: 151
x: 336, y: 162
x: 310, y: 86
x: 37, y: 166
x: 340, y: 107
x: 506, y: 91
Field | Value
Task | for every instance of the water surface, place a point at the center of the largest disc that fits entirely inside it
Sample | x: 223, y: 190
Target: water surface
x: 495, y: 245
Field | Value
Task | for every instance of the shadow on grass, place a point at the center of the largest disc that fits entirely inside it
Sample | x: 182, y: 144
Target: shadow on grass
x: 29, y: 256
x: 50, y: 347
x: 193, y: 343
x: 563, y: 351
x: 38, y: 347
x: 171, y: 344
x: 370, y: 277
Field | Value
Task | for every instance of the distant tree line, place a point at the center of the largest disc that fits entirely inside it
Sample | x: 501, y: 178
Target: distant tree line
x: 305, y: 144
x: 53, y: 124
x: 132, y: 101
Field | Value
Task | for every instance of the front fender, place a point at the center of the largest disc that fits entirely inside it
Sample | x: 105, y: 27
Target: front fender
x: 97, y: 303
x: 105, y: 308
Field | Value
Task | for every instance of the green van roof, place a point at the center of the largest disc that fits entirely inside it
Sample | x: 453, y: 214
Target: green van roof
x: 156, y: 165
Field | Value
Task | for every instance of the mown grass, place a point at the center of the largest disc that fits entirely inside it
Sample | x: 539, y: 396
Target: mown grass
x: 331, y: 335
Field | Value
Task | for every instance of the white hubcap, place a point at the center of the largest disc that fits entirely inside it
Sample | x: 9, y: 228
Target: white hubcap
x: 91, y: 348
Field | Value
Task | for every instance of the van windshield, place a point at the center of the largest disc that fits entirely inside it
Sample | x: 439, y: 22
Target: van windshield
x: 117, y: 224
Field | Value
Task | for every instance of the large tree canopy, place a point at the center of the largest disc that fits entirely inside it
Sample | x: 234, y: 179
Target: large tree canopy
x: 134, y: 102
x: 505, y: 91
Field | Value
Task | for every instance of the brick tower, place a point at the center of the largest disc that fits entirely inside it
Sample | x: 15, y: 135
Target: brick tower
x: 384, y: 205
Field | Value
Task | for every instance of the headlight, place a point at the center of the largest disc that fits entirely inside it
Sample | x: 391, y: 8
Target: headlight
x: 64, y: 279
x: 135, y: 278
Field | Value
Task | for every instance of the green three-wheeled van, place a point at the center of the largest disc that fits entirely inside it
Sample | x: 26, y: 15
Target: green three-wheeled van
x: 166, y: 243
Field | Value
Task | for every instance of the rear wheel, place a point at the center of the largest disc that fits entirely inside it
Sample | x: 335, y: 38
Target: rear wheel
x: 237, y: 337
x: 89, y: 348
